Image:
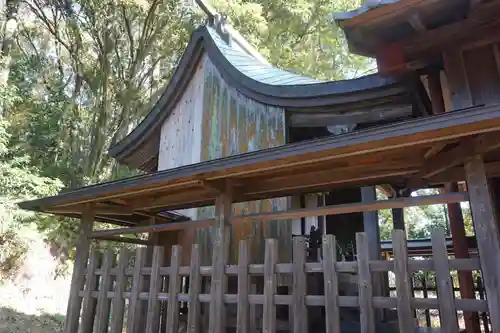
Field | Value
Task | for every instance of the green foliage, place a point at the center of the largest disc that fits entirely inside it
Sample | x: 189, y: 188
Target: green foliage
x: 298, y: 35
x: 12, y: 252
x: 78, y: 75
x: 420, y: 221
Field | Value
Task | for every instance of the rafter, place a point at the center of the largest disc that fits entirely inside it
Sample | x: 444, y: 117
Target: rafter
x: 455, y: 156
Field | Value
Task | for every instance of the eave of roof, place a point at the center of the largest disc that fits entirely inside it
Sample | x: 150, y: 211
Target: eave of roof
x: 380, y: 22
x: 186, y: 179
x: 255, y: 79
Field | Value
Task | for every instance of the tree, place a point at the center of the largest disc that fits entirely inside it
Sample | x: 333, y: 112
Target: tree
x: 298, y: 35
x: 86, y: 72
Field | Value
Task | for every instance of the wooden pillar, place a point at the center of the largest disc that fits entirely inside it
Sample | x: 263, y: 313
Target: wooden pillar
x: 223, y: 213
x: 78, y: 278
x: 398, y: 218
x: 370, y: 222
x: 148, y: 260
x: 487, y: 234
x: 372, y: 230
x: 398, y: 214
x: 436, y: 92
x: 461, y: 250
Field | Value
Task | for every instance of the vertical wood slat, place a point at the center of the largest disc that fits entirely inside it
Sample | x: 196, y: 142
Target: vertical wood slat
x: 242, y: 316
x: 403, y: 282
x: 253, y: 310
x: 134, y: 305
x: 153, y: 314
x: 366, y: 312
x: 484, y: 315
x: 194, y: 291
x: 447, y: 310
x: 173, y: 290
x: 119, y: 301
x: 270, y: 259
x: 487, y: 233
x: 78, y: 278
x: 217, y: 283
x: 299, y: 287
x: 219, y: 258
x: 427, y: 312
x: 103, y: 303
x: 89, y: 302
x: 458, y: 83
x: 331, y: 284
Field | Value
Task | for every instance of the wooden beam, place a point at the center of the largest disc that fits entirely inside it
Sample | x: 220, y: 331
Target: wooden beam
x: 98, y: 210
x: 123, y: 240
x: 371, y: 114
x: 173, y: 199
x: 436, y: 149
x: 78, y: 277
x: 487, y: 233
x: 483, y: 17
x: 297, y: 213
x: 479, y: 145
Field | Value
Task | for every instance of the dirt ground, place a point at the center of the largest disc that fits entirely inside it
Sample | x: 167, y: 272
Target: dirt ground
x: 12, y: 321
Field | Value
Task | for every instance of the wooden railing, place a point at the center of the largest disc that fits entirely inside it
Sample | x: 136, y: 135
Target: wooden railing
x: 116, y: 284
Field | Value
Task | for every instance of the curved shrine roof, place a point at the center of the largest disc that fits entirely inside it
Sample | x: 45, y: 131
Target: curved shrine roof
x: 248, y: 72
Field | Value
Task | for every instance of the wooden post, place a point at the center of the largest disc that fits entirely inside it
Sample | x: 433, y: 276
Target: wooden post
x: 331, y: 284
x: 119, y: 301
x: 372, y: 231
x: 436, y: 92
x: 194, y: 291
x: 487, y: 234
x: 134, y: 305
x: 223, y: 212
x: 461, y: 250
x: 89, y: 302
x: 403, y: 282
x: 271, y: 257
x: 242, y: 316
x: 366, y: 313
x: 446, y: 297
x: 103, y: 302
x: 78, y: 278
x: 153, y: 314
x: 398, y: 216
x: 174, y: 289
x: 299, y: 287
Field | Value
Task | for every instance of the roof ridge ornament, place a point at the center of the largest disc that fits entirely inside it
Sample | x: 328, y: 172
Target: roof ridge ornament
x: 221, y: 27
x: 227, y: 32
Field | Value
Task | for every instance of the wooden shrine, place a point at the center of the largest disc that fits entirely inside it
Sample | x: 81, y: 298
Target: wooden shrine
x: 258, y: 199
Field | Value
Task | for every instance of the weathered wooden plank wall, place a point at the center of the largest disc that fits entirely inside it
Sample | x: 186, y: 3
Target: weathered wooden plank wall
x: 473, y: 75
x: 180, y: 140
x: 234, y: 124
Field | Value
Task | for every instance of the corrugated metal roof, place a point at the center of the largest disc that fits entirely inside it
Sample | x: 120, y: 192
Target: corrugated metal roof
x: 254, y: 68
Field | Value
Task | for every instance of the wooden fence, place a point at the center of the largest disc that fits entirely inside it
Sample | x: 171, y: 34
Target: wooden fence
x: 116, y: 284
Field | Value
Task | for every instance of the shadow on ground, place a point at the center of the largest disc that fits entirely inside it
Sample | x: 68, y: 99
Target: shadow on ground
x: 12, y: 321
